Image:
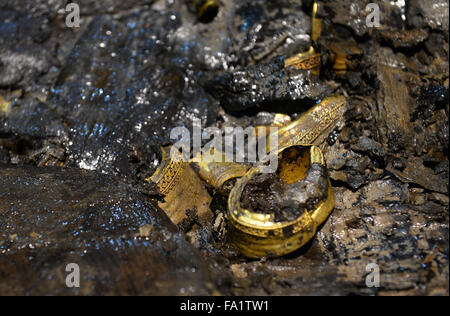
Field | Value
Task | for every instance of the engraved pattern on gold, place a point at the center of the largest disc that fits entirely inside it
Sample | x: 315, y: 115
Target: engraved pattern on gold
x: 306, y: 129
x: 168, y: 173
x: 182, y: 190
x: 256, y: 235
x: 171, y: 175
x: 303, y: 62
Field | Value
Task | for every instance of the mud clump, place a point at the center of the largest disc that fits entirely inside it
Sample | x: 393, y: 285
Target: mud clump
x: 268, y: 194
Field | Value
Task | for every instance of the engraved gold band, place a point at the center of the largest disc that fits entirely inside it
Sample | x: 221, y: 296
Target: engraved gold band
x: 258, y: 235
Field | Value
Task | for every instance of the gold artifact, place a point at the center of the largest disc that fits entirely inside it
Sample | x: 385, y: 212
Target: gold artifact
x: 345, y: 54
x: 316, y: 27
x: 206, y: 10
x: 313, y: 126
x: 257, y: 234
x: 306, y: 60
x: 309, y: 59
x: 182, y: 188
x: 217, y: 173
x: 5, y: 106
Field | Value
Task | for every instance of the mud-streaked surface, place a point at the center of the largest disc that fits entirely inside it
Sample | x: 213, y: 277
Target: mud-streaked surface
x: 122, y: 243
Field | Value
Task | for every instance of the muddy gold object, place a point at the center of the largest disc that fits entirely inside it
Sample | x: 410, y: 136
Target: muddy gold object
x: 309, y: 59
x: 206, y: 10
x: 182, y: 189
x: 306, y: 60
x: 316, y: 24
x: 313, y: 126
x: 217, y: 173
x: 4, y: 105
x: 345, y: 54
x: 257, y: 233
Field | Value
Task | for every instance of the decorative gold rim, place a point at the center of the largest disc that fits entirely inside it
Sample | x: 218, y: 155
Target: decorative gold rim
x: 257, y: 235
x: 208, y: 5
x: 311, y: 125
x: 308, y: 60
x: 168, y: 173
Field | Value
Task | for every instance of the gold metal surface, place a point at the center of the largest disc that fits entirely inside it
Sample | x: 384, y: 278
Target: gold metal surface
x: 296, y: 165
x: 217, y: 173
x: 313, y: 126
x: 309, y: 60
x: 316, y: 27
x: 4, y: 105
x: 306, y: 60
x: 258, y: 235
x: 182, y: 188
x: 344, y: 53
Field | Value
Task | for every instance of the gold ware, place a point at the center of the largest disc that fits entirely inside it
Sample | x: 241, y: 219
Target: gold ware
x: 257, y: 234
x: 313, y: 126
x: 206, y: 10
x: 316, y: 27
x: 5, y: 106
x: 182, y: 188
x: 217, y: 173
x: 309, y: 59
x: 344, y: 56
x: 305, y: 61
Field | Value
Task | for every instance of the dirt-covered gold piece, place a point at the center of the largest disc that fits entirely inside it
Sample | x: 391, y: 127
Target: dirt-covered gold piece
x: 4, y: 105
x: 345, y: 56
x: 316, y: 24
x: 313, y: 126
x: 257, y: 234
x: 217, y: 173
x: 182, y: 188
x: 309, y: 59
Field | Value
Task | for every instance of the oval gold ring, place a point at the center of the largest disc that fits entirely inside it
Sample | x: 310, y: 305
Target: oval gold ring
x: 257, y: 234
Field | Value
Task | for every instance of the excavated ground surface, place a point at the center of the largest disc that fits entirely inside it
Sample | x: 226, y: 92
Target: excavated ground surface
x: 84, y: 111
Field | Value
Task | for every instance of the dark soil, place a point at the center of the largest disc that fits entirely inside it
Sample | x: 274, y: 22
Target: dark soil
x: 268, y: 194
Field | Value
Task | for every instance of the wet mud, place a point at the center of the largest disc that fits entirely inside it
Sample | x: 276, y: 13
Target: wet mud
x: 121, y: 241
